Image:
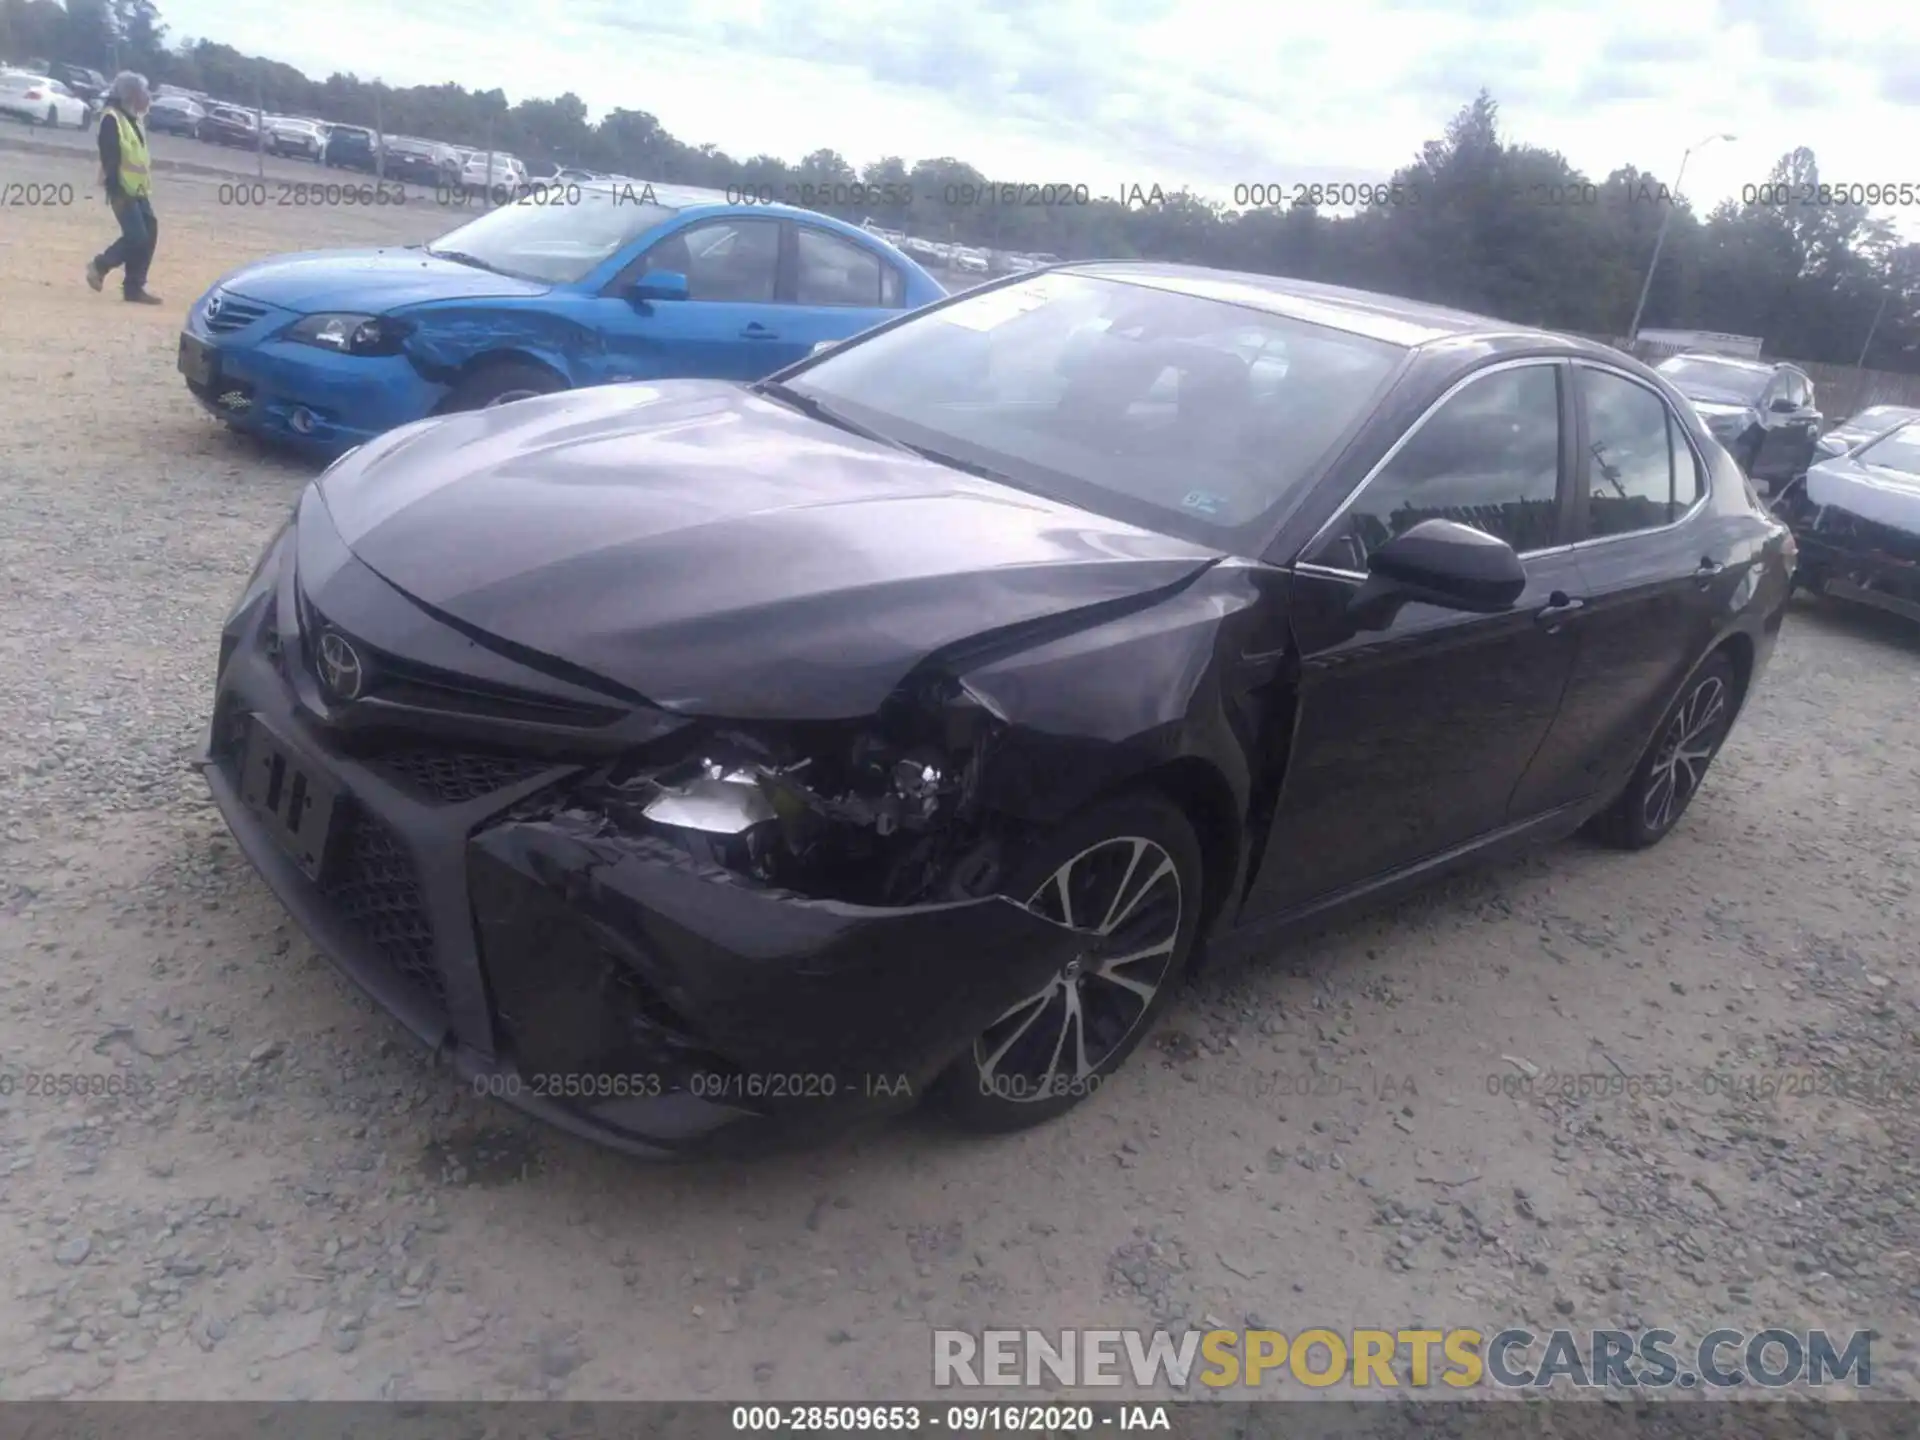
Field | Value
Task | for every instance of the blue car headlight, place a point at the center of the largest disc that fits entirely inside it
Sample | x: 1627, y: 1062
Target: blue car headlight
x: 349, y: 334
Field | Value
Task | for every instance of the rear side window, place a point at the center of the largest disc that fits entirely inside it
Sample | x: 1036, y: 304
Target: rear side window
x: 834, y: 271
x: 1641, y: 473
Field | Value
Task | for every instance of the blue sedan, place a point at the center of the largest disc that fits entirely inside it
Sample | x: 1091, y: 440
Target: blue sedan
x: 580, y: 285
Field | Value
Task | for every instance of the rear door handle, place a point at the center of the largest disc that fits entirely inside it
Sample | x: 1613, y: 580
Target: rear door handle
x: 1559, y: 608
x: 757, y: 331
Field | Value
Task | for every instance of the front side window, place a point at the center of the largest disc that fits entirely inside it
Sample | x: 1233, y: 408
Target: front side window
x: 735, y: 261
x: 1488, y: 457
x: 1637, y: 478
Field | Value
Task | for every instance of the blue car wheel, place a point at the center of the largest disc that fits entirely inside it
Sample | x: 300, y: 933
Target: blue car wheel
x: 500, y: 383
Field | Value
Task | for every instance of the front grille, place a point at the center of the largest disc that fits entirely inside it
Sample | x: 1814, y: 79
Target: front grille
x: 376, y: 889
x: 452, y: 777
x: 232, y: 315
x: 233, y: 396
x: 406, y: 682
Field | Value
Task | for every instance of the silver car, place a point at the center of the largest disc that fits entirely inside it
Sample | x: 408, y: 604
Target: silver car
x: 300, y: 139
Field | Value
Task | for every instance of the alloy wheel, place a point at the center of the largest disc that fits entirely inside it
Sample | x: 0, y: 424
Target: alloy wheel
x: 1685, y: 751
x: 1125, y: 893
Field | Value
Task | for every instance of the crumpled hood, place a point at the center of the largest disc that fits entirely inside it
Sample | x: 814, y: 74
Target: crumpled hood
x: 718, y: 553
x: 368, y: 281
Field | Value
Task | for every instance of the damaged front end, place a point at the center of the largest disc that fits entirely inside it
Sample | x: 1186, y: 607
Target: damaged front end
x: 771, y: 925
x: 881, y: 813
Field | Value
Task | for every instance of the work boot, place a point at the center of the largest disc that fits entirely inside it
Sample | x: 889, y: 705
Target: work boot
x: 143, y: 297
x: 94, y: 275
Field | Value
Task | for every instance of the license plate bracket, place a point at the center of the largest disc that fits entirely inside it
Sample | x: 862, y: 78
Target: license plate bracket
x: 292, y: 796
x: 199, y: 362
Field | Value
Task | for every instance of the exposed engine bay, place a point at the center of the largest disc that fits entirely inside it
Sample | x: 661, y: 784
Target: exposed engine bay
x: 884, y: 812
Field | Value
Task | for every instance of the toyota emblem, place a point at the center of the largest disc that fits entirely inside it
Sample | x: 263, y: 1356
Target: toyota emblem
x: 213, y: 304
x: 340, y: 668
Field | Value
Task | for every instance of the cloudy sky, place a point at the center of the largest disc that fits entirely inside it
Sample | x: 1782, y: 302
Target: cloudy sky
x: 1208, y: 93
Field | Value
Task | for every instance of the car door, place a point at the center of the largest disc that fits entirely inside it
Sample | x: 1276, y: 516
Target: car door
x: 833, y: 288
x: 730, y: 325
x: 1653, y: 577
x: 1791, y: 428
x: 1408, y: 741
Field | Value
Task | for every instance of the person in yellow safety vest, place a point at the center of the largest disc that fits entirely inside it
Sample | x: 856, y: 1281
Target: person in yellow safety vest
x: 127, y: 173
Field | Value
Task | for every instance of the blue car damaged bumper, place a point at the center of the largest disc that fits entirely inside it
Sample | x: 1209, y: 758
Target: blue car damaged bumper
x: 238, y: 367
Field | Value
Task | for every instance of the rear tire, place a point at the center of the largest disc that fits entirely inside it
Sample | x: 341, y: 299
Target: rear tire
x: 1674, y: 766
x: 53, y: 117
x: 1129, y: 870
x: 501, y: 383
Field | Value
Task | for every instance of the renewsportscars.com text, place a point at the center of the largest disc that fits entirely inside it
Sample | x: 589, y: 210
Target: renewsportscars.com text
x: 1460, y: 1359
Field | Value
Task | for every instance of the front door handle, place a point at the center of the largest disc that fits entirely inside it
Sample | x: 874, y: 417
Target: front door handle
x: 1709, y: 567
x: 757, y: 331
x: 1559, y: 608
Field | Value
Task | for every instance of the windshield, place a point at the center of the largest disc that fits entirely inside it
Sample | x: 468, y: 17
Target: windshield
x: 558, y: 244
x: 1689, y: 375
x: 1195, y: 417
x: 1896, y: 450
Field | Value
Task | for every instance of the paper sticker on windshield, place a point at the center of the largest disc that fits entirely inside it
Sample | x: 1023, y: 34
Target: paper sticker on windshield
x: 1203, y: 502
x: 997, y: 307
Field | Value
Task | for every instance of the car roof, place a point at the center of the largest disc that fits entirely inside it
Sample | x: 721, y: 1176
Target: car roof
x: 1390, y: 318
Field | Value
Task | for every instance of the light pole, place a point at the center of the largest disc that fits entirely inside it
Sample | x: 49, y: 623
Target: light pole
x: 1660, y: 238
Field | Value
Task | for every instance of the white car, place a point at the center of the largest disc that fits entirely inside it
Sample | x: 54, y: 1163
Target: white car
x: 506, y: 171
x: 971, y: 262
x: 301, y: 139
x: 41, y: 101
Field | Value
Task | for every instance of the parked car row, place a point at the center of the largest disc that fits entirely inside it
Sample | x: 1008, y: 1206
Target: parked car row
x: 973, y: 259
x: 340, y: 146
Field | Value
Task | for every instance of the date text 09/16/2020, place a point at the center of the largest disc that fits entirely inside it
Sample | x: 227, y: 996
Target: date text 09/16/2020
x: 1049, y: 1419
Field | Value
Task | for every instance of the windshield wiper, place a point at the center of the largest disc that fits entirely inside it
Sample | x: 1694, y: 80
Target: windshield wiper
x: 818, y: 409
x: 965, y: 467
x: 461, y: 257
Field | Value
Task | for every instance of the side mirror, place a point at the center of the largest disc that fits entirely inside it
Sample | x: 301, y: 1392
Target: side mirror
x: 661, y: 285
x: 1442, y: 562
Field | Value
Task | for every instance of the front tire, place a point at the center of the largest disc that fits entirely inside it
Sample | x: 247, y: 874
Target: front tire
x: 1675, y: 765
x: 53, y: 117
x: 500, y: 384
x: 1128, y: 871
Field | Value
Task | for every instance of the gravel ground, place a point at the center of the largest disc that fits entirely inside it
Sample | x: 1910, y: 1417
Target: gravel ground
x: 287, y: 1200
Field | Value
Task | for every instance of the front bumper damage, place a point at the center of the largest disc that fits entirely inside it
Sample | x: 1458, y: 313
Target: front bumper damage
x: 1850, y: 557
x: 617, y: 988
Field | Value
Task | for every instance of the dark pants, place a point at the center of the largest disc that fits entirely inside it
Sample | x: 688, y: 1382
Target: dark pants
x: 139, y: 231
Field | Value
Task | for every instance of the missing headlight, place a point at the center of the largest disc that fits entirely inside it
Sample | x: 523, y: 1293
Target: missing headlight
x: 878, y: 814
